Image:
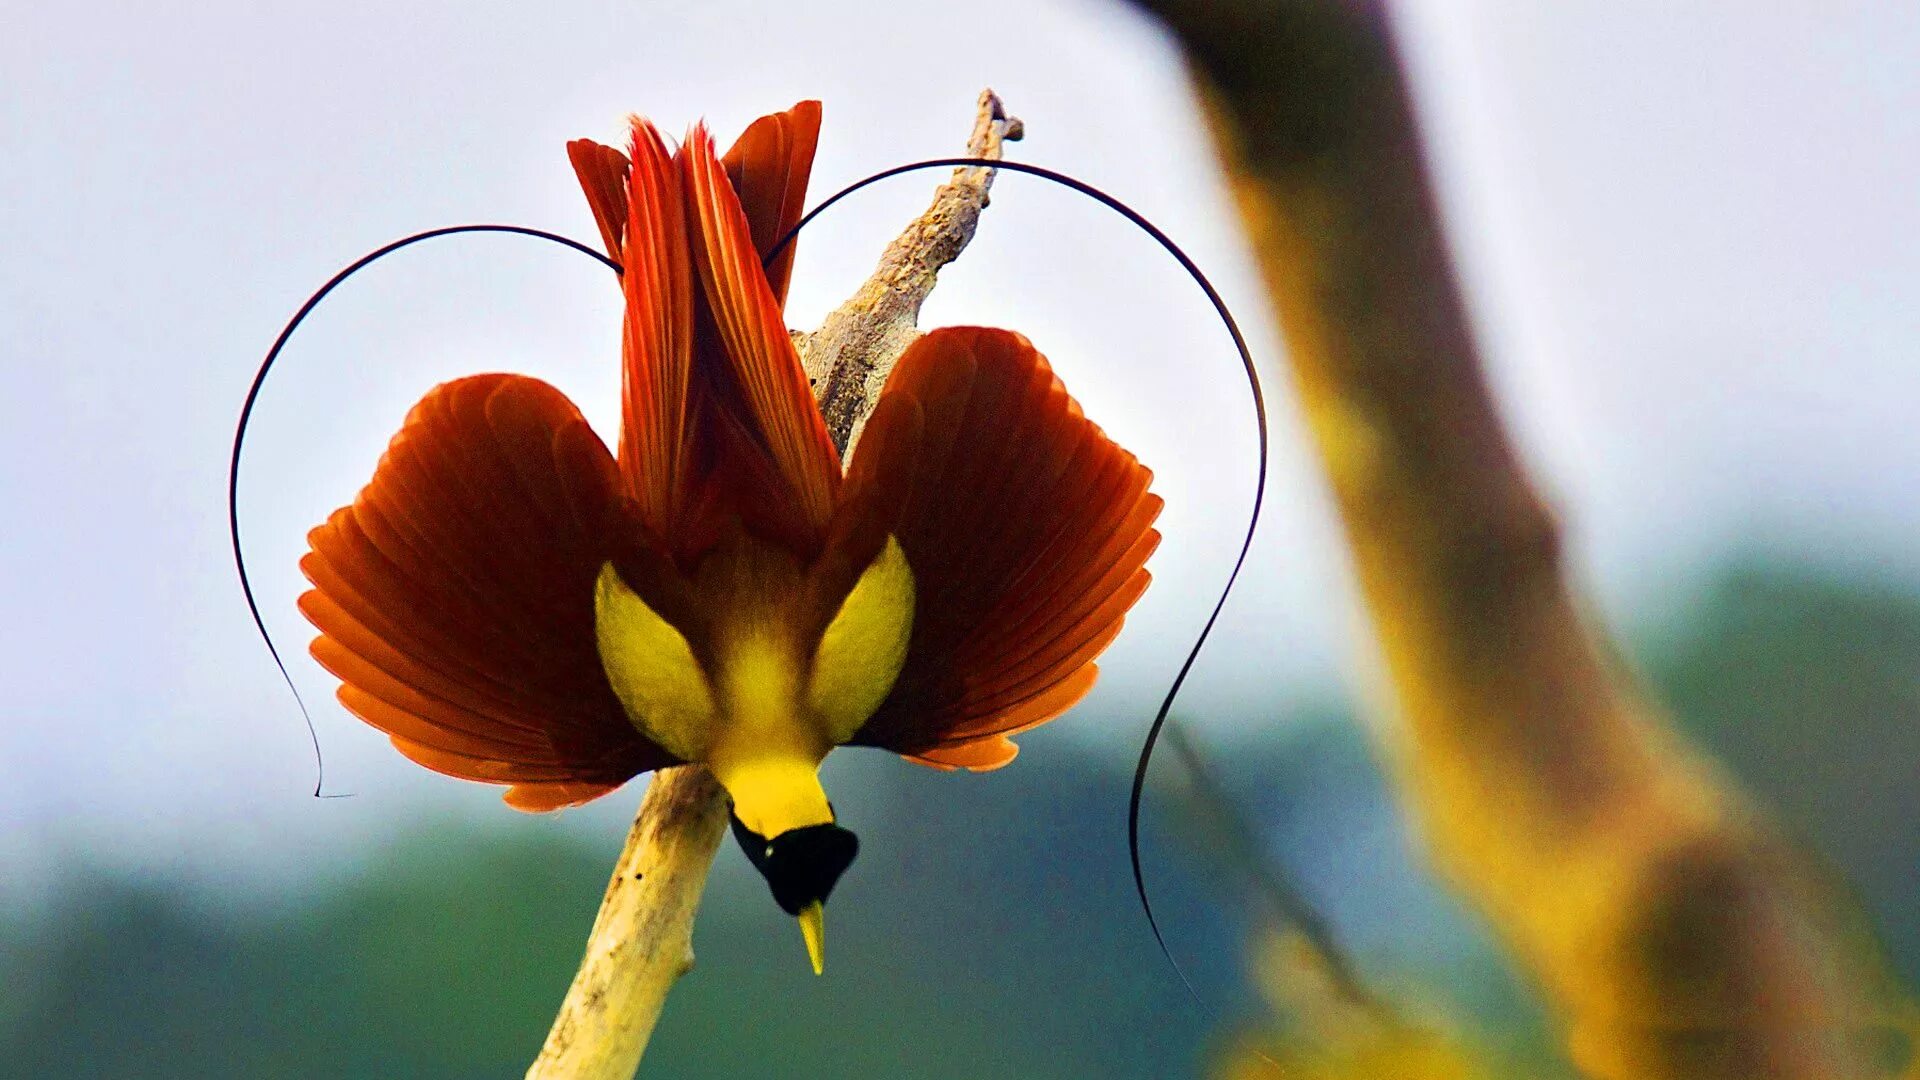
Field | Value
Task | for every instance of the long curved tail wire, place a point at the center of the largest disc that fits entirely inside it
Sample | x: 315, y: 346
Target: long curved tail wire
x: 1133, y: 216
x: 1220, y: 308
x: 246, y: 416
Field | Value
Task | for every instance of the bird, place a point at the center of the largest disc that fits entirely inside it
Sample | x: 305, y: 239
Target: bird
x: 513, y: 602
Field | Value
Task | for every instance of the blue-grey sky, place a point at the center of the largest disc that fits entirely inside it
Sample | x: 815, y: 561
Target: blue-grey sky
x: 1691, y: 236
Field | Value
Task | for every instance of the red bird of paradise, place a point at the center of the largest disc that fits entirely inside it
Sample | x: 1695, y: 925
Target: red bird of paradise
x: 512, y: 603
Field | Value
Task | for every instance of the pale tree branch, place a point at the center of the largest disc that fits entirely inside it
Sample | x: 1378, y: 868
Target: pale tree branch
x: 642, y: 939
x: 849, y: 357
x: 1679, y: 932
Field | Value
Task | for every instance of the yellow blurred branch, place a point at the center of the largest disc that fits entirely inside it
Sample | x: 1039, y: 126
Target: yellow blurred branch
x: 642, y: 939
x: 1680, y: 934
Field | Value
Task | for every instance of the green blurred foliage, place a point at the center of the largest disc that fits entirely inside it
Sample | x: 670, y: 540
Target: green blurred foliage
x: 1806, y: 686
x: 989, y: 929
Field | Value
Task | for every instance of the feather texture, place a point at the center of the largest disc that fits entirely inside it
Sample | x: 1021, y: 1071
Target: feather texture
x: 1027, y: 531
x: 602, y: 171
x: 657, y: 341
x: 769, y: 165
x: 771, y: 403
x: 455, y: 596
x: 717, y: 420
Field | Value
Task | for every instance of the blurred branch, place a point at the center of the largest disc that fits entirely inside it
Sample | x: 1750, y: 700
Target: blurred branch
x: 1679, y: 932
x: 642, y: 939
x: 1291, y: 913
x: 1332, y: 1025
x: 1329, y: 1036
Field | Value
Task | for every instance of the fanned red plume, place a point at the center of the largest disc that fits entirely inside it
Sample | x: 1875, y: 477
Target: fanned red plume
x: 1027, y: 530
x: 455, y: 596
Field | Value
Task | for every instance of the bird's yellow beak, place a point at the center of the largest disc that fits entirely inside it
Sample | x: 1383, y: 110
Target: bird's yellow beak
x: 813, y: 927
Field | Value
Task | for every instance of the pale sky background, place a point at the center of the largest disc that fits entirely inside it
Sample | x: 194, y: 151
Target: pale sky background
x: 1692, y: 238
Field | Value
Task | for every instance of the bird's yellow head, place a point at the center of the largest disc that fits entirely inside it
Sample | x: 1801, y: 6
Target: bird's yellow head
x: 765, y: 665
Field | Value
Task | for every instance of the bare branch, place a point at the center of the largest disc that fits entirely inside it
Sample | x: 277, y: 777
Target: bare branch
x: 849, y: 357
x: 642, y: 940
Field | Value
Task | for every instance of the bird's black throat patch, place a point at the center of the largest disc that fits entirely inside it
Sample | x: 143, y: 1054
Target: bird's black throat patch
x: 801, y: 865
